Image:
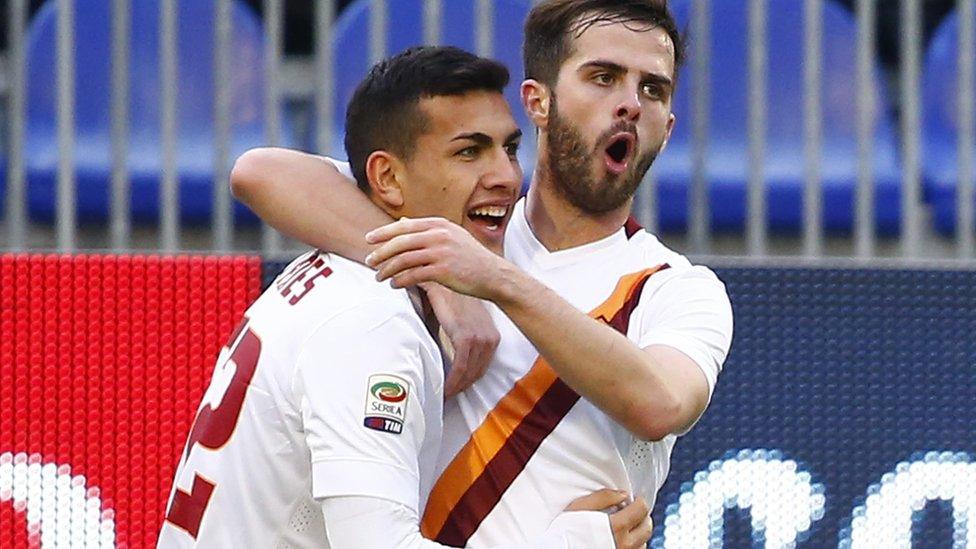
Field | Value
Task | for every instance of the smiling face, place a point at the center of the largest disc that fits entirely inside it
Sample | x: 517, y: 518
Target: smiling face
x: 609, y: 114
x: 463, y: 166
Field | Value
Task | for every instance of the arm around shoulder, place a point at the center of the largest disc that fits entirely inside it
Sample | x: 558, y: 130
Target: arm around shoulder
x: 307, y: 198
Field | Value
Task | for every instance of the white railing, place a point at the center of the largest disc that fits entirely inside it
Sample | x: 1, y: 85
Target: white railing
x: 916, y: 236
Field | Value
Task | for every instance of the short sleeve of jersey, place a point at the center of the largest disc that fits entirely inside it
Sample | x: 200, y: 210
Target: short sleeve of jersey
x: 687, y: 308
x: 359, y: 380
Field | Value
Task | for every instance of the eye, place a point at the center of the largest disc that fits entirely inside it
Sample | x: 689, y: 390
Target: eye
x: 652, y: 91
x: 603, y: 78
x: 468, y: 153
x: 512, y: 149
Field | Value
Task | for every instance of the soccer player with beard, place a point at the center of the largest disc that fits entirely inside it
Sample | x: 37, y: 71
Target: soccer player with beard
x: 520, y: 442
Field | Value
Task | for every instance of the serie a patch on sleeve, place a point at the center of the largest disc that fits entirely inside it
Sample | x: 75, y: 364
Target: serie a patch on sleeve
x: 386, y: 403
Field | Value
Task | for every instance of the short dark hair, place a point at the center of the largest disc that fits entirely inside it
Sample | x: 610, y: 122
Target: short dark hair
x: 384, y: 112
x: 551, y: 24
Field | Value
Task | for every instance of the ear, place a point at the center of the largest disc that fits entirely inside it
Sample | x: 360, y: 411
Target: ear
x: 667, y: 133
x: 535, y: 99
x: 382, y: 171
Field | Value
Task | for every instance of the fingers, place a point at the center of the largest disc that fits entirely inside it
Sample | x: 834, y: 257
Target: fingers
x: 473, y: 371
x: 398, y: 245
x: 630, y: 517
x: 632, y: 525
x: 477, y: 360
x: 454, y: 383
x: 451, y: 385
x: 469, y: 331
x: 644, y: 532
x: 599, y: 501
x: 472, y: 355
x: 414, y: 276
x: 640, y: 535
x: 482, y: 353
x: 404, y: 226
x: 402, y: 262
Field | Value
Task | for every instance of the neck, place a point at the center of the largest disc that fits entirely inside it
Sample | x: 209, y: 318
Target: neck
x: 558, y: 224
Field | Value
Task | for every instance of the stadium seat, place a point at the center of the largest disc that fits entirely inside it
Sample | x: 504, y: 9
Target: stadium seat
x: 405, y: 28
x: 727, y: 157
x: 940, y: 164
x: 195, y: 99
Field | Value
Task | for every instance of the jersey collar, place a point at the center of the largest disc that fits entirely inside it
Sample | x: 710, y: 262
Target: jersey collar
x: 524, y: 242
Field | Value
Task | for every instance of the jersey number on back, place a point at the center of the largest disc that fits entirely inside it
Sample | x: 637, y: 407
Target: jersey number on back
x: 215, y: 422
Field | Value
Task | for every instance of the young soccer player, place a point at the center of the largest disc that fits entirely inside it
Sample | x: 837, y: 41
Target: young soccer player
x: 588, y: 304
x: 322, y: 422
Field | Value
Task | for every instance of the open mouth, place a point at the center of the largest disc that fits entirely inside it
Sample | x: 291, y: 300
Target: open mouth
x: 491, y: 217
x: 619, y: 152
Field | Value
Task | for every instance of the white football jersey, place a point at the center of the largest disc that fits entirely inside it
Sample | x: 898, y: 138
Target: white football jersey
x: 332, y: 386
x: 520, y: 445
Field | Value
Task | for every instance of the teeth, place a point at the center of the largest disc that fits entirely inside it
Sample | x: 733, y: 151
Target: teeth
x: 490, y: 211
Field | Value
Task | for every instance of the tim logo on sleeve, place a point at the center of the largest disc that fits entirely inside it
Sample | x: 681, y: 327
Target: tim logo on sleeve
x: 386, y: 403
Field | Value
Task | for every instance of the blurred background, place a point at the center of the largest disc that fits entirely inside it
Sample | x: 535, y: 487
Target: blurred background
x: 817, y: 128
x: 823, y: 164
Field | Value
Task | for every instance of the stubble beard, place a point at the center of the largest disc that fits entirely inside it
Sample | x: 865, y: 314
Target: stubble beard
x: 569, y: 165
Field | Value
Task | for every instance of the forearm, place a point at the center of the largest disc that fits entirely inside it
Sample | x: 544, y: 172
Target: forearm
x: 305, y: 197
x: 598, y: 362
x: 652, y: 391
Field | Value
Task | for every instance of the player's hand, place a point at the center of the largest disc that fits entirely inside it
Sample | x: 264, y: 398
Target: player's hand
x: 630, y: 522
x: 432, y: 249
x: 632, y: 527
x: 471, y: 334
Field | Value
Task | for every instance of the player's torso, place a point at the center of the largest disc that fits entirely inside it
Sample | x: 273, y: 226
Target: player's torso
x: 585, y: 450
x: 245, y: 479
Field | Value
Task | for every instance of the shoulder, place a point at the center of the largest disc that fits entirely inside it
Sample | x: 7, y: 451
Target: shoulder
x: 387, y: 317
x: 689, y: 299
x: 685, y: 283
x: 322, y: 282
x: 320, y: 291
x: 653, y: 251
x: 370, y: 307
x: 374, y: 335
x: 678, y: 277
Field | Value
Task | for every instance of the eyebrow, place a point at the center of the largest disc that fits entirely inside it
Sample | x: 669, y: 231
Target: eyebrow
x: 658, y: 79
x: 605, y: 65
x: 617, y: 68
x: 484, y: 139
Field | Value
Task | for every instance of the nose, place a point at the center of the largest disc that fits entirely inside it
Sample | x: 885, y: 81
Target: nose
x: 629, y: 108
x: 504, y: 173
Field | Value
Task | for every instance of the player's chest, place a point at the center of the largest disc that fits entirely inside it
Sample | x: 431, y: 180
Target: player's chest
x: 515, y: 355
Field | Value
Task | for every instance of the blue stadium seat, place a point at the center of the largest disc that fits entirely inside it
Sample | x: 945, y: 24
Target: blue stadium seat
x: 195, y: 150
x: 727, y: 160
x: 405, y: 28
x: 940, y: 164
